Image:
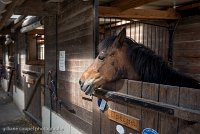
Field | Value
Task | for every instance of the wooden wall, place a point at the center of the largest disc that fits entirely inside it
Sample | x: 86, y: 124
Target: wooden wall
x: 74, y: 36
x: 21, y: 80
x: 163, y: 123
x: 50, y: 51
x: 186, y: 50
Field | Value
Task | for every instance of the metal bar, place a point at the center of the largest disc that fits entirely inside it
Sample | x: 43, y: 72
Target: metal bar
x: 170, y: 47
x: 166, y: 50
x: 130, y: 29
x: 104, y: 27
x: 135, y: 32
x: 139, y: 21
x: 143, y: 33
x: 147, y: 36
x: 155, y: 40
x: 172, y: 29
x: 158, y: 41
x: 151, y: 37
x: 163, y: 46
x: 115, y: 26
x: 139, y: 33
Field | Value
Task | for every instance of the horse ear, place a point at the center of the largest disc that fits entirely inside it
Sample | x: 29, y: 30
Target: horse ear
x: 120, y: 38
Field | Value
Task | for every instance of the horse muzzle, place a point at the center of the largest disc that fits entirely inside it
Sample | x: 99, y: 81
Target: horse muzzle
x: 87, y: 86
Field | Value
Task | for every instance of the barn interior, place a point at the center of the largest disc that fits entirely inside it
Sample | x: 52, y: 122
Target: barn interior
x: 45, y: 46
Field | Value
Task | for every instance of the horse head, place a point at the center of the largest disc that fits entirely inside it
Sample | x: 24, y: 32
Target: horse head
x: 110, y: 64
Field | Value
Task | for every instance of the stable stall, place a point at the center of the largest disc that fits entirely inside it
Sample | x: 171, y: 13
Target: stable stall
x: 53, y: 42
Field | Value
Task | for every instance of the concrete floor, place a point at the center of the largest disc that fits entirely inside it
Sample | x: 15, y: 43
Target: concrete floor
x: 12, y: 119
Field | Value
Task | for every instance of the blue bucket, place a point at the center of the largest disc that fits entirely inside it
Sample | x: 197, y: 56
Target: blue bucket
x: 149, y: 131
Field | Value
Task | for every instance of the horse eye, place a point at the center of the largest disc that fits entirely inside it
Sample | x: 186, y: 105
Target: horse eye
x: 112, y: 54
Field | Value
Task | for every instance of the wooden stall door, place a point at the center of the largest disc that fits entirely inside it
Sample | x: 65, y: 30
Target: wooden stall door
x: 33, y: 104
x: 137, y: 105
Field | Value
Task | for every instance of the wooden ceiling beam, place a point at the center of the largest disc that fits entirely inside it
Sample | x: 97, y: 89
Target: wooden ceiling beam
x: 36, y: 31
x: 5, y: 31
x: 9, y: 12
x: 37, y: 8
x: 137, y: 13
x: 18, y: 22
x: 188, y: 7
x: 127, y: 4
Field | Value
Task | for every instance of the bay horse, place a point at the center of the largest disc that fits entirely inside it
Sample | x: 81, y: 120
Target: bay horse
x: 121, y: 57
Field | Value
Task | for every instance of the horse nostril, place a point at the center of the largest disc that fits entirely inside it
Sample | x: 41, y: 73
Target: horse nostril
x: 80, y: 82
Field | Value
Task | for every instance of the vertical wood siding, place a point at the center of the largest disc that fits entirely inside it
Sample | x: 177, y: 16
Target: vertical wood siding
x: 186, y: 50
x: 75, y: 37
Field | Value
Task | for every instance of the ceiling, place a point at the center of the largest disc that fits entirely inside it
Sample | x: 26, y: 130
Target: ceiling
x: 146, y: 4
x: 139, y: 9
x: 146, y: 9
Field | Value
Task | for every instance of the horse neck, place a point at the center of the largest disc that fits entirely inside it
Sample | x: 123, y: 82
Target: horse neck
x: 128, y: 67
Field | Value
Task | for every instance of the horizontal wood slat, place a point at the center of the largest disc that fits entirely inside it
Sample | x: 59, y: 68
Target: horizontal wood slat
x: 170, y: 100
x: 137, y: 13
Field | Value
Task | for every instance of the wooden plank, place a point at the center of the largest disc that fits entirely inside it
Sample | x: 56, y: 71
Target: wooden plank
x: 188, y: 28
x: 137, y: 13
x: 186, y: 61
x: 191, y: 129
x: 107, y: 125
x: 150, y: 118
x: 187, y: 37
x: 169, y: 95
x: 36, y: 8
x: 189, y: 6
x: 121, y: 87
x: 36, y: 31
x: 9, y: 12
x: 187, y: 45
x: 189, y: 98
x: 188, y: 69
x: 187, y: 53
x: 124, y: 119
x: 127, y: 4
x: 74, y: 8
x: 30, y: 80
x: 135, y: 89
x: 83, y: 126
x: 179, y: 112
x: 96, y: 117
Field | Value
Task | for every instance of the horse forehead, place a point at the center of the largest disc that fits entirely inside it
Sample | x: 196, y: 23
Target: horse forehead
x: 106, y: 43
x: 103, y: 51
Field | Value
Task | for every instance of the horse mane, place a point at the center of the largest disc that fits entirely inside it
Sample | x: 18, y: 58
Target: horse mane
x: 106, y: 43
x: 151, y: 67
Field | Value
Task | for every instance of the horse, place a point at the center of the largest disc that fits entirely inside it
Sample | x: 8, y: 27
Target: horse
x: 121, y: 57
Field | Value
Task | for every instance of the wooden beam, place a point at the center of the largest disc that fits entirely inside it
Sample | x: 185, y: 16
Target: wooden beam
x: 5, y: 31
x: 127, y: 4
x: 37, y: 8
x: 137, y: 13
x: 18, y: 22
x: 20, y: 2
x: 36, y: 31
x: 187, y: 7
x: 9, y: 13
